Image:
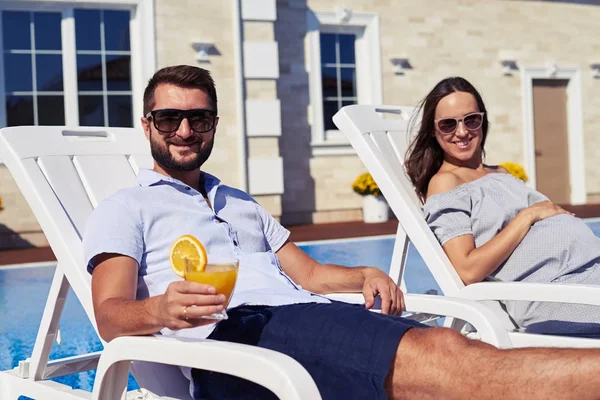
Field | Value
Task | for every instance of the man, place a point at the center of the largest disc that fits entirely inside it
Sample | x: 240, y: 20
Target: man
x: 277, y: 302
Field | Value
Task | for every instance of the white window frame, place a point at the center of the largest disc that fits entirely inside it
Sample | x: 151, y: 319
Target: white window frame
x: 142, y: 47
x: 368, y: 71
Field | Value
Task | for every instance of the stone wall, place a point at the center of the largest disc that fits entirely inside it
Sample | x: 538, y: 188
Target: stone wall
x: 18, y: 226
x: 440, y: 39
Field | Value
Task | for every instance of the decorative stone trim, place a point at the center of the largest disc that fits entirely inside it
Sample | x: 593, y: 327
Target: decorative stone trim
x: 265, y: 175
x: 259, y: 10
x: 263, y: 118
x: 261, y: 60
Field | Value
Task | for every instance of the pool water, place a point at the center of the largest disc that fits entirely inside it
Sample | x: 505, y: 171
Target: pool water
x: 23, y: 293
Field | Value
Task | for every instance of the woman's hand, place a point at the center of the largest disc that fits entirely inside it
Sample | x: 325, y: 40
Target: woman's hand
x: 543, y: 210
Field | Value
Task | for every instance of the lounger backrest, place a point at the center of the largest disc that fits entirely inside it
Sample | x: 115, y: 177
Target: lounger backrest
x: 380, y: 136
x: 63, y: 174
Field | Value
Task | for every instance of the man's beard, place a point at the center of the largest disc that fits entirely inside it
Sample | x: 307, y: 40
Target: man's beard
x: 160, y: 153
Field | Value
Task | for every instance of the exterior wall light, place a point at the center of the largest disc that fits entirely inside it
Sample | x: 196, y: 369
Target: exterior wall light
x: 509, y: 67
x: 595, y: 70
x: 401, y: 65
x: 203, y: 50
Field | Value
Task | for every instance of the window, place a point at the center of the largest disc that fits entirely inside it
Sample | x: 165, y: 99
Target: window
x: 103, y: 68
x: 338, y: 74
x: 75, y: 64
x: 344, y: 65
x: 33, y: 68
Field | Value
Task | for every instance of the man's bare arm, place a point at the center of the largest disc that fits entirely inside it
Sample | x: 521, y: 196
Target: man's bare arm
x: 331, y: 278
x: 316, y: 277
x: 118, y: 313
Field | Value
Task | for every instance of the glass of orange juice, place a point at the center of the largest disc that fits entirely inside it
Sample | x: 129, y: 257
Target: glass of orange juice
x: 220, y: 272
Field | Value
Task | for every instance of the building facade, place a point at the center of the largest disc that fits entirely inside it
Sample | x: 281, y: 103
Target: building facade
x: 284, y: 67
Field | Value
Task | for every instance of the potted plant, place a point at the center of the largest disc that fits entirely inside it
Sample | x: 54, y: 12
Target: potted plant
x: 375, y: 208
x: 515, y: 170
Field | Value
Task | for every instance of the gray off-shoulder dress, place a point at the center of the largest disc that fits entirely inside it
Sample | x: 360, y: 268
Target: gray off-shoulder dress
x: 557, y: 249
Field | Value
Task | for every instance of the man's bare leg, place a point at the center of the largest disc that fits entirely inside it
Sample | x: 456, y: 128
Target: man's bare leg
x: 442, y: 364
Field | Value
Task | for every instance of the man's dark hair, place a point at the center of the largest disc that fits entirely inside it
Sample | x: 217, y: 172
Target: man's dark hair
x: 185, y: 76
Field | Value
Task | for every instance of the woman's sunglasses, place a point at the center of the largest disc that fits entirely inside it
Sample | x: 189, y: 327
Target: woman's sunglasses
x: 168, y: 120
x: 447, y: 126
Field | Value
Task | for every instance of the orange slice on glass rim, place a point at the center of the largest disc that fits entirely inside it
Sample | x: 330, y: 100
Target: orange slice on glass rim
x: 187, y: 249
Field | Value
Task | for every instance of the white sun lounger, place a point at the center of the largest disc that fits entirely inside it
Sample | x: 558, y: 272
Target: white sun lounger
x: 379, y: 134
x: 63, y: 174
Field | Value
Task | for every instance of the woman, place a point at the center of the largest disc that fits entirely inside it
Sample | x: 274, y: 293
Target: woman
x: 490, y: 224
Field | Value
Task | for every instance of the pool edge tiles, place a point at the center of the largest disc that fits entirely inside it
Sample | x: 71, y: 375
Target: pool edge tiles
x: 343, y: 240
x: 40, y: 264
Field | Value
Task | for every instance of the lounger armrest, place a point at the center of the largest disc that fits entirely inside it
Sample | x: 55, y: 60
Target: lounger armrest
x: 489, y: 327
x: 354, y: 298
x: 281, y: 374
x: 524, y: 291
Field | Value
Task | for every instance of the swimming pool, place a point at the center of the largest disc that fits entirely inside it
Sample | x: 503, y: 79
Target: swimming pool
x: 23, y: 293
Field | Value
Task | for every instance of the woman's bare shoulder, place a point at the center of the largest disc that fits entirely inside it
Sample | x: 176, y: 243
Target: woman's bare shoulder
x: 443, y: 182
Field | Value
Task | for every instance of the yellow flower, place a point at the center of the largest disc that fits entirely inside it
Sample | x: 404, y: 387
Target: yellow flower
x: 1, y: 206
x: 365, y: 184
x: 515, y: 170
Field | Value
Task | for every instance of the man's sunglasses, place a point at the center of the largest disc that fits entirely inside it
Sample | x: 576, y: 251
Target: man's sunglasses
x: 447, y: 126
x: 168, y: 120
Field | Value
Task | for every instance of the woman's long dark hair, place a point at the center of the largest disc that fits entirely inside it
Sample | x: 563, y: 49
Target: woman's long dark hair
x: 424, y: 156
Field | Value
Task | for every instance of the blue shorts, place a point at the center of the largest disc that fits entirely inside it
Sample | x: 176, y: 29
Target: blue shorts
x: 347, y: 349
